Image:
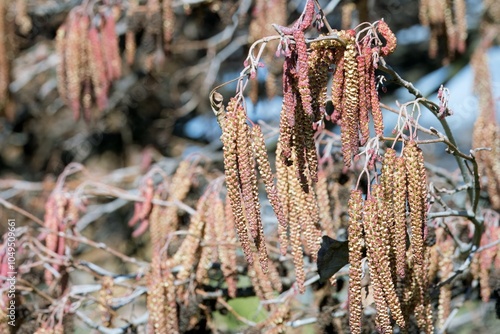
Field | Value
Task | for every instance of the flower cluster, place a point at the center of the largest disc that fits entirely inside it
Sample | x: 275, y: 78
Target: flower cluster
x: 398, y: 271
x: 89, y: 60
x: 354, y: 87
x: 447, y: 22
x: 155, y: 23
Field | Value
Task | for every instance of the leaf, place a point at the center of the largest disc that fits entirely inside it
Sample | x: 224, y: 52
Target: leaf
x: 332, y: 256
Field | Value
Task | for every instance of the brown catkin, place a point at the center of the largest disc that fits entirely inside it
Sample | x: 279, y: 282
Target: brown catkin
x: 446, y: 269
x: 364, y: 120
x: 156, y: 300
x: 282, y: 185
x: 356, y: 242
x: 188, y: 253
x: 229, y: 139
x: 249, y: 190
x: 294, y: 193
x: 350, y: 104
x: 72, y: 62
x: 338, y: 89
x: 260, y: 153
x: 416, y: 180
x: 399, y: 235
x: 375, y: 254
x: 387, y: 184
x: 381, y: 233
x: 61, y: 67
x: 227, y: 254
x: 325, y: 210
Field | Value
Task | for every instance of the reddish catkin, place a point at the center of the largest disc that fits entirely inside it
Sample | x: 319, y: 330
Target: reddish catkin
x: 308, y: 16
x: 378, y: 121
x: 389, y: 36
x: 109, y: 44
x: 289, y: 96
x: 338, y: 89
x: 356, y: 243
x: 364, y: 120
x: 303, y: 72
x: 97, y: 69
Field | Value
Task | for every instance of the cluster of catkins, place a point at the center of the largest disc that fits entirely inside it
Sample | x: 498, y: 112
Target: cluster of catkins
x: 89, y: 60
x: 447, y: 22
x: 379, y: 223
x: 210, y: 238
x: 154, y: 21
x: 62, y: 211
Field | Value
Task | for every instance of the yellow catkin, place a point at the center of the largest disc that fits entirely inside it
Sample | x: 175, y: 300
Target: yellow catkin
x: 261, y: 280
x: 233, y: 181
x: 294, y: 193
x: 311, y: 228
x: 208, y: 253
x: 416, y: 180
x: 72, y: 62
x: 282, y: 186
x: 172, y: 320
x: 249, y: 189
x: 387, y: 184
x: 156, y: 300
x: 227, y: 254
x: 350, y: 104
x: 178, y: 190
x: 375, y: 255
x: 356, y: 243
x: 325, y: 210
x: 446, y: 269
x: 260, y: 153
x: 381, y: 234
x: 187, y: 254
x: 399, y: 236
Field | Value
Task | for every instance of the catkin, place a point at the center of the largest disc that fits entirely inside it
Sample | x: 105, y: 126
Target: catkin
x: 356, y: 242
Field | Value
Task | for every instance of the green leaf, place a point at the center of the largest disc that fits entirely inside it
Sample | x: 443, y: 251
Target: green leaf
x: 332, y: 256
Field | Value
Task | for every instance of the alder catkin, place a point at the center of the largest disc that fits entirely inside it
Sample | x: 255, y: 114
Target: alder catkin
x: 356, y: 243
